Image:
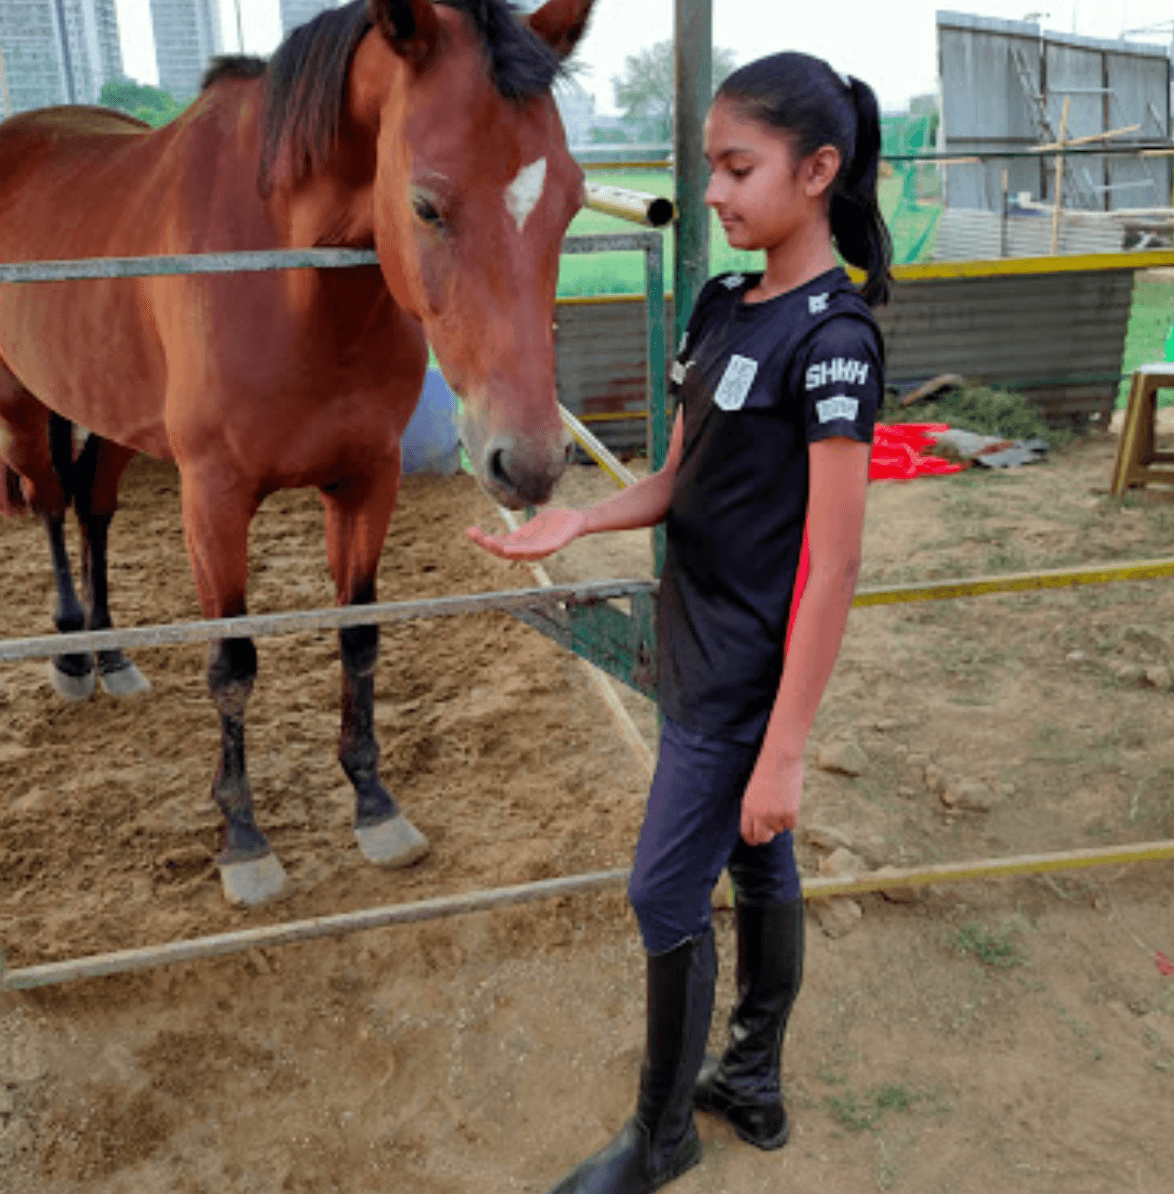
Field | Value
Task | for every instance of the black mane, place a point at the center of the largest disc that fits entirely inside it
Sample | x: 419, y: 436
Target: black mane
x: 306, y: 78
x: 233, y: 66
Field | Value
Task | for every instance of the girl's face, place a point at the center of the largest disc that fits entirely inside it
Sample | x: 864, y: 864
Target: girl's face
x: 762, y: 196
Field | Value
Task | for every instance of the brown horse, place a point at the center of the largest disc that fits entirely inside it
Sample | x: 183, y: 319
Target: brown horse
x: 426, y: 131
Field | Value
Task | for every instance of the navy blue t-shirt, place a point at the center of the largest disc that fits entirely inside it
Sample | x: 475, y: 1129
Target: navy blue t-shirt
x: 757, y: 383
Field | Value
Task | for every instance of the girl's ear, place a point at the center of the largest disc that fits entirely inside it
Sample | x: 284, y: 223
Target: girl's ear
x: 821, y: 170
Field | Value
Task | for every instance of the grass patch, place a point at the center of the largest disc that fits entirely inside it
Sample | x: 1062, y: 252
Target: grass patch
x: 996, y: 948
x: 986, y: 410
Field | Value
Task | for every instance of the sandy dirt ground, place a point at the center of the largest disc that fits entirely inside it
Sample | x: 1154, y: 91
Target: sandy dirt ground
x: 1011, y: 1036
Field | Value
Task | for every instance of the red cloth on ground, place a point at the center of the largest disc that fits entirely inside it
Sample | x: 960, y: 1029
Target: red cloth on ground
x: 896, y: 456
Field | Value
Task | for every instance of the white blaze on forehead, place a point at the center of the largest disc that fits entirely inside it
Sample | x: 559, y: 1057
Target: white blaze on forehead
x: 523, y: 194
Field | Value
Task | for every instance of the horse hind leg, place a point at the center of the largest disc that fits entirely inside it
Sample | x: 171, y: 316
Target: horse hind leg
x: 71, y: 674
x: 96, y: 476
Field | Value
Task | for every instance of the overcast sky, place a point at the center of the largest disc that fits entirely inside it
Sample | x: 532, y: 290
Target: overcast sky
x: 888, y: 43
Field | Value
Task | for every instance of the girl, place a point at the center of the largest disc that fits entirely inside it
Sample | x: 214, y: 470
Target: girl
x: 778, y: 380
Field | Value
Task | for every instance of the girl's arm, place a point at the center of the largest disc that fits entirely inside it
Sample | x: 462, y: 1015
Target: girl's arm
x: 835, y: 523
x: 641, y: 505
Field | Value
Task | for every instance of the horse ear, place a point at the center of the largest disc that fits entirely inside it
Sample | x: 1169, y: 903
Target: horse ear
x: 561, y: 23
x: 409, y: 26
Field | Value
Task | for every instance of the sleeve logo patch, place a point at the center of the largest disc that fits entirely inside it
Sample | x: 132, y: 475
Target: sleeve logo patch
x: 735, y: 383
x: 839, y: 370
x: 817, y: 304
x: 733, y: 281
x: 839, y: 407
x: 677, y: 373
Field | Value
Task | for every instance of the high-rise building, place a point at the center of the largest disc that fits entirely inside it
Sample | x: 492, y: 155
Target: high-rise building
x: 187, y: 37
x: 56, y: 52
x: 298, y: 12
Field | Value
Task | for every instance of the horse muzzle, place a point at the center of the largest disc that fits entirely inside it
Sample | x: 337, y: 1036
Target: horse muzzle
x: 521, y: 472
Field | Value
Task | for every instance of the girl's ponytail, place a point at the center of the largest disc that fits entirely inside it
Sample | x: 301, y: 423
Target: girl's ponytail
x: 805, y: 99
x: 857, y: 226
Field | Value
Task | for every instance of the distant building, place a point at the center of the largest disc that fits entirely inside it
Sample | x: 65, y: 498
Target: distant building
x: 56, y: 52
x: 298, y: 12
x: 577, y: 108
x: 187, y: 36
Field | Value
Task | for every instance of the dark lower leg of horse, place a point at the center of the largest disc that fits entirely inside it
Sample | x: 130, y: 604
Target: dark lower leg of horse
x: 249, y: 870
x: 72, y: 675
x: 118, y: 674
x: 385, y: 836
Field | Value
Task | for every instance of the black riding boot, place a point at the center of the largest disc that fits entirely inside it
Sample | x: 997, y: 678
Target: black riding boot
x: 744, y: 1086
x: 661, y: 1142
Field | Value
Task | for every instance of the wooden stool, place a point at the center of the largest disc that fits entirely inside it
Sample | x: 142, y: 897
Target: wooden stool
x: 1135, y: 449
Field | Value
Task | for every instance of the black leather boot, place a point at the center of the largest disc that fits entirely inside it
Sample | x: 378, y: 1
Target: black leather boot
x: 661, y: 1142
x: 744, y: 1086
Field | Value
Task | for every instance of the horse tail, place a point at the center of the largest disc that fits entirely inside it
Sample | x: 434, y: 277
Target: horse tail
x: 61, y: 452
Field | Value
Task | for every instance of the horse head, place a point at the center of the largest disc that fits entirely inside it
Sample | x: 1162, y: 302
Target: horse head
x: 474, y: 190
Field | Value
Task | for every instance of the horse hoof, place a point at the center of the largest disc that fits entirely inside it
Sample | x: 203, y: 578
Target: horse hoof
x: 392, y: 843
x: 73, y: 689
x: 125, y: 681
x: 253, y: 882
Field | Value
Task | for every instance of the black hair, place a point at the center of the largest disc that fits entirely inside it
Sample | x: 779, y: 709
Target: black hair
x: 802, y: 96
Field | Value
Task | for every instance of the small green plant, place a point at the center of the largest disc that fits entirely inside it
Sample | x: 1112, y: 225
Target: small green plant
x: 994, y: 948
x: 862, y: 1112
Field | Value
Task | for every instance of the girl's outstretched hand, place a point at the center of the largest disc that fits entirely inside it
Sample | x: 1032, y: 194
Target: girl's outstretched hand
x: 547, y: 532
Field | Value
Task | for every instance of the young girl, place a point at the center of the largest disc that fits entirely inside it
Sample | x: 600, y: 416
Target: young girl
x: 778, y: 380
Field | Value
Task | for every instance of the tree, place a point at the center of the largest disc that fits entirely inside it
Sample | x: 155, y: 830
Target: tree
x: 150, y: 104
x: 645, y: 88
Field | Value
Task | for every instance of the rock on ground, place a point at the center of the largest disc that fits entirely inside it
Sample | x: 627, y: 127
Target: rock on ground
x: 838, y: 916
x: 844, y: 757
x: 968, y: 795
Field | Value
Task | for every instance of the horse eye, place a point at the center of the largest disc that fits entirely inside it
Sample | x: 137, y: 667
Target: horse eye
x: 427, y: 212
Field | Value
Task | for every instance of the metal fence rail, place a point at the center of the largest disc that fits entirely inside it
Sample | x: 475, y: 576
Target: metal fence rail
x: 241, y: 941
x: 259, y: 261
x: 306, y: 621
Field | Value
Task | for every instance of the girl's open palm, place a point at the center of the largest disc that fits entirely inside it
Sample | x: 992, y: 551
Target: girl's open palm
x: 548, y: 532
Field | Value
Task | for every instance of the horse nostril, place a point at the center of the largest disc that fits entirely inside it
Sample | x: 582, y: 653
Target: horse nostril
x: 569, y: 451
x: 497, y: 467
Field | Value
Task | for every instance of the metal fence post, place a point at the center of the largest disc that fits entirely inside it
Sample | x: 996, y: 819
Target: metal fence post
x: 658, y: 441
x: 694, y: 90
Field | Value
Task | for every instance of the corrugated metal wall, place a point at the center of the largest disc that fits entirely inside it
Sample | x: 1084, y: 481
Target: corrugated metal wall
x: 986, y: 108
x: 1058, y: 338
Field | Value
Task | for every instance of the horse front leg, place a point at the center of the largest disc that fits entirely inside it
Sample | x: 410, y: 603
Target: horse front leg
x: 97, y: 473
x: 356, y: 525
x: 216, y: 521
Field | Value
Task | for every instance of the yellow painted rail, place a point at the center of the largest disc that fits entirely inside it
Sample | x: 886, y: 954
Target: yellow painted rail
x: 1016, y: 582
x: 987, y: 868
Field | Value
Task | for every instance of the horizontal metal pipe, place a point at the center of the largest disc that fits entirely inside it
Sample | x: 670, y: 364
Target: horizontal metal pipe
x: 253, y: 261
x: 987, y: 868
x: 304, y: 621
x: 640, y: 207
x: 1016, y: 582
x: 340, y: 924
x: 198, y: 948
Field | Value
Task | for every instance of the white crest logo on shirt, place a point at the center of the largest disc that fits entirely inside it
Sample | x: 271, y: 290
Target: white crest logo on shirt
x: 735, y: 383
x: 842, y: 370
x: 839, y: 407
x: 817, y: 304
x: 733, y: 281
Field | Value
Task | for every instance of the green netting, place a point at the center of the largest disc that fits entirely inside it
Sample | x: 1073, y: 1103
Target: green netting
x: 910, y: 194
